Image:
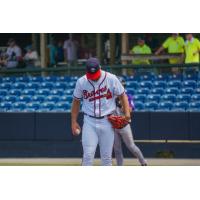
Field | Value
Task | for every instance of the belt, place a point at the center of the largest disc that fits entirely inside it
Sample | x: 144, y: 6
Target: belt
x: 97, y: 117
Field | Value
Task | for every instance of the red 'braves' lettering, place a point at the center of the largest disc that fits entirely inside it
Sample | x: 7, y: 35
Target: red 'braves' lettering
x: 107, y: 95
x: 93, y: 93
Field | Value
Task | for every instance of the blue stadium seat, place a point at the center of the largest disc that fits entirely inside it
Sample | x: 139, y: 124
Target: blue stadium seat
x: 37, y: 79
x: 46, y: 85
x: 66, y: 98
x: 8, y: 79
x: 167, y: 105
x: 159, y: 91
x: 24, y: 79
x: 172, y: 90
x: 153, y: 97
x: 60, y: 85
x: 195, y: 97
x: 195, y: 105
x: 181, y: 105
x: 74, y: 78
x: 19, y: 85
x: 10, y: 98
x: 142, y: 91
x: 147, y: 77
x: 139, y: 106
x: 39, y: 98
x: 44, y: 109
x: 191, y: 76
x: 168, y: 97
x: 197, y: 91
x: 33, y: 105
x: 176, y: 77
x: 146, y: 84
x: 162, y: 77
x: 50, y: 78
x: 25, y: 98
x: 68, y: 91
x: 151, y: 106
x: 189, y: 83
x: 5, y: 86
x: 33, y: 85
x: 159, y: 84
x: 19, y: 105
x: 1, y: 98
x: 16, y: 92
x: 132, y: 84
x: 183, y: 97
x: 3, y: 92
x: 130, y: 91
x: 57, y: 92
x: 64, y: 79
x: 58, y: 110
x: 28, y: 92
x: 174, y: 109
x: 193, y: 109
x: 71, y: 85
x: 29, y: 110
x: 187, y: 90
x: 5, y: 105
x: 54, y: 98
x: 174, y: 83
x: 140, y: 97
x: 62, y: 105
x: 43, y: 92
x: 48, y: 105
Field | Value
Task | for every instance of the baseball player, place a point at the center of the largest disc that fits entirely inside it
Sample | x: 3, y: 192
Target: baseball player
x: 126, y: 135
x: 97, y: 90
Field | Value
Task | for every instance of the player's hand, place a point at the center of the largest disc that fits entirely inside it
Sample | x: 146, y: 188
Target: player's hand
x: 128, y: 118
x: 75, y: 126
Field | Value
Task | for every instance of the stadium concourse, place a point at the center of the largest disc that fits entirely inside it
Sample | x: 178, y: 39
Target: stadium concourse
x: 152, y: 92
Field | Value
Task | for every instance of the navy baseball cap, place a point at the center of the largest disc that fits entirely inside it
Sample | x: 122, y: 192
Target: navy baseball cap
x: 93, y: 69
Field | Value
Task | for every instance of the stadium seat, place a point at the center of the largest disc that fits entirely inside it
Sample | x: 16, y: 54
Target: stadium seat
x: 50, y: 78
x: 195, y: 105
x: 5, y: 86
x: 47, y: 105
x: 139, y: 106
x: 172, y: 90
x: 5, y: 105
x: 130, y: 91
x: 151, y: 106
x: 24, y: 79
x: 66, y: 98
x: 162, y: 77
x: 168, y: 97
x: 153, y: 97
x: 174, y: 109
x: 33, y: 105
x: 57, y: 92
x: 197, y: 91
x: 60, y: 85
x: 195, y: 97
x: 37, y: 79
x: 28, y: 92
x: 140, y: 97
x: 147, y: 77
x: 167, y: 105
x: 64, y: 79
x: 54, y: 98
x: 39, y: 98
x: 142, y: 91
x: 146, y: 84
x: 181, y: 105
x: 174, y: 83
x: 16, y: 92
x: 71, y: 85
x: 187, y: 90
x: 19, y: 85
x: 132, y: 84
x: 10, y: 98
x: 33, y: 85
x: 19, y: 105
x: 176, y: 77
x: 3, y: 92
x: 8, y: 79
x: 46, y: 85
x: 62, y: 105
x: 68, y: 91
x: 189, y: 83
x: 159, y: 91
x: 159, y: 84
x: 25, y: 98
x: 191, y: 76
x: 183, y: 97
x: 43, y: 92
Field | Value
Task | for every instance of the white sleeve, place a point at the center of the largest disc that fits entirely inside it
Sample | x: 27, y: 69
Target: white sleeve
x: 78, y: 93
x: 118, y: 87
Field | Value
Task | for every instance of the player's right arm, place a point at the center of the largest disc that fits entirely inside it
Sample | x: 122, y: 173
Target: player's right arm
x: 74, y: 115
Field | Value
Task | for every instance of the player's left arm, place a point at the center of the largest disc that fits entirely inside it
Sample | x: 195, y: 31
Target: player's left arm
x: 125, y: 104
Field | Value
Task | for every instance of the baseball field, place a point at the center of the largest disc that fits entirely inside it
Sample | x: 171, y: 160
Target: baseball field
x: 77, y: 162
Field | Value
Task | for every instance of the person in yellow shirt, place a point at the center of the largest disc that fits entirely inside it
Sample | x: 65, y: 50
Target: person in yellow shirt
x: 173, y: 44
x: 140, y: 48
x: 192, y: 49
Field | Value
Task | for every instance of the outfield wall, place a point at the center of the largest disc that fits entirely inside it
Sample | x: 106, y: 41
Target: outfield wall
x: 49, y: 134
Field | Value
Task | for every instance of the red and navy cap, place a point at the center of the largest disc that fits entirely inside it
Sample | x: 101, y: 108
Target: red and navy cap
x: 93, y: 69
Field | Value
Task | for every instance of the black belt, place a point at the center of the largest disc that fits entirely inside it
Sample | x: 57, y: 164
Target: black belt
x: 97, y: 117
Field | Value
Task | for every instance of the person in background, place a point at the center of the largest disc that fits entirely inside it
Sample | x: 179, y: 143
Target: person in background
x: 52, y: 53
x: 60, y: 52
x: 140, y: 48
x: 70, y: 51
x: 173, y: 44
x: 12, y: 56
x: 31, y: 57
x: 107, y: 51
x: 192, y: 49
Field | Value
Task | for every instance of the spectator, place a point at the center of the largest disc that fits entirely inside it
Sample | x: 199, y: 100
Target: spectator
x: 60, y: 52
x: 13, y: 55
x: 140, y: 48
x: 192, y: 49
x: 31, y: 57
x: 173, y: 44
x: 107, y: 51
x: 70, y: 51
x: 52, y: 53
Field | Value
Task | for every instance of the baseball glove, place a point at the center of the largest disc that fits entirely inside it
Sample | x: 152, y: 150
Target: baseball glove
x: 118, y: 122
